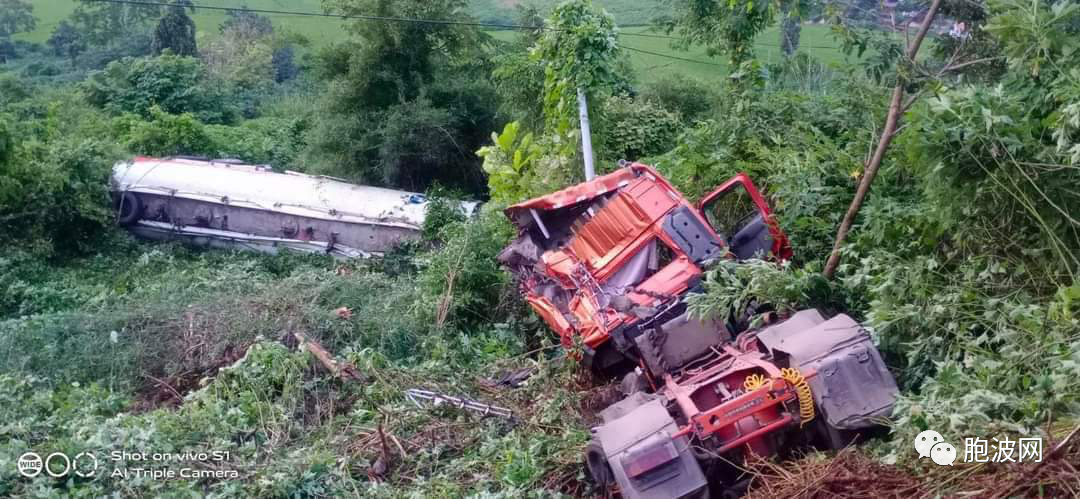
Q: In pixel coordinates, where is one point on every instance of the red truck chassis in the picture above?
(609, 262)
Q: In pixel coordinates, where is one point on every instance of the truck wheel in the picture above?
(597, 462)
(833, 438)
(606, 362)
(129, 209)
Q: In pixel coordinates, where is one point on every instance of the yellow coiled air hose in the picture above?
(802, 389)
(753, 382)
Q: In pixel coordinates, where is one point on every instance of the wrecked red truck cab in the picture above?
(609, 262)
(603, 254)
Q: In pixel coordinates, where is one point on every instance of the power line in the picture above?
(669, 56)
(801, 46)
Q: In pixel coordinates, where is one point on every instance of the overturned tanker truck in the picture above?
(608, 263)
(226, 203)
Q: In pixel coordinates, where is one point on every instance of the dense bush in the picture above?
(13, 89)
(428, 126)
(164, 134)
(759, 123)
(520, 166)
(463, 279)
(174, 83)
(266, 140)
(685, 95)
(275, 141)
(631, 129)
(54, 197)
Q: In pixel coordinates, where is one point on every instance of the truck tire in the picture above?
(833, 438)
(129, 209)
(606, 362)
(597, 463)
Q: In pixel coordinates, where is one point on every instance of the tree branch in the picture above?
(970, 63)
(896, 108)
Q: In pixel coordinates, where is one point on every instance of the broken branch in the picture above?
(343, 370)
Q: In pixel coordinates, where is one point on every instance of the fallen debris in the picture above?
(382, 464)
(849, 474)
(513, 378)
(342, 370)
(418, 396)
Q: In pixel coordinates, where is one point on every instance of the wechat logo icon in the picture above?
(943, 453)
(930, 444)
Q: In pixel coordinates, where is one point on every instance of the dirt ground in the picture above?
(851, 474)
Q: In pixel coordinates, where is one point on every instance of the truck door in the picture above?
(741, 217)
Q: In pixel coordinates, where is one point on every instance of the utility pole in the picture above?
(586, 134)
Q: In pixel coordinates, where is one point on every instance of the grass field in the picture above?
(624, 11)
(322, 30)
(643, 52)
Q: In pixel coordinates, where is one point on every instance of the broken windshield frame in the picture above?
(726, 231)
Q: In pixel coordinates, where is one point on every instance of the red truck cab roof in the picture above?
(603, 253)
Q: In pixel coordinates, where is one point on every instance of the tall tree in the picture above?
(897, 107)
(243, 54)
(66, 41)
(519, 78)
(400, 58)
(102, 23)
(406, 103)
(16, 16)
(580, 53)
(790, 29)
(175, 31)
(727, 27)
(247, 21)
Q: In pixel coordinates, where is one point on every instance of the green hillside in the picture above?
(322, 30)
(319, 30)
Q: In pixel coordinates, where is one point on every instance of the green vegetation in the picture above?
(815, 39)
(962, 262)
(624, 11)
(815, 42)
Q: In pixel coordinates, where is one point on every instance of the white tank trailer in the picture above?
(229, 204)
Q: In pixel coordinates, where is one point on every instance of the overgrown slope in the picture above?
(963, 261)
